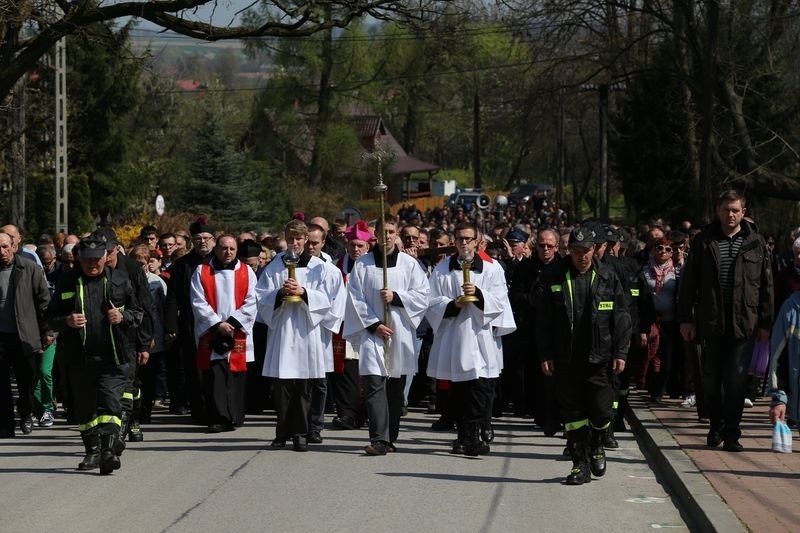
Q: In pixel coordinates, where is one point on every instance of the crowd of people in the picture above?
(473, 315)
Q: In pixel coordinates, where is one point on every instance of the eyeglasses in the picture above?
(662, 248)
(410, 238)
(546, 246)
(465, 240)
(202, 239)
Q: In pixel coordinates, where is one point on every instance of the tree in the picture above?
(29, 29)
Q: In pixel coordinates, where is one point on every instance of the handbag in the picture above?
(781, 438)
(759, 359)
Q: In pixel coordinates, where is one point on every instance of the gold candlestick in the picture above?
(290, 259)
(466, 264)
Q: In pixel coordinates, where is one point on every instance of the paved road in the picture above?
(181, 479)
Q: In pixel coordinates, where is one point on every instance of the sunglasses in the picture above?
(662, 248)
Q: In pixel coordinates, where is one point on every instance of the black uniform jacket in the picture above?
(99, 341)
(610, 321)
(700, 292)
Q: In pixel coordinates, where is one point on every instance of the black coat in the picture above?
(31, 298)
(118, 341)
(178, 315)
(700, 291)
(610, 322)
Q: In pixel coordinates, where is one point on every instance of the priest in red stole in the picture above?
(224, 304)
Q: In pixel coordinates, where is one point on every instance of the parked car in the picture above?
(523, 192)
(469, 197)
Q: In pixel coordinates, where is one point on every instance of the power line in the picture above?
(492, 30)
(278, 86)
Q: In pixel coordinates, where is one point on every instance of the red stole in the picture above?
(339, 346)
(241, 281)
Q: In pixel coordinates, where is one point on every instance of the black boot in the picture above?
(91, 443)
(459, 445)
(609, 441)
(475, 446)
(597, 460)
(487, 432)
(578, 444)
(119, 444)
(108, 459)
(619, 417)
(135, 431)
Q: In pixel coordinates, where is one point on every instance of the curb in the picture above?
(705, 509)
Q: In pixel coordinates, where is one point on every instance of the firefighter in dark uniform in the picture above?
(95, 310)
(643, 314)
(132, 394)
(582, 326)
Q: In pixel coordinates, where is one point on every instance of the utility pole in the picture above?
(62, 193)
(18, 158)
(561, 156)
(602, 177)
(476, 139)
(602, 186)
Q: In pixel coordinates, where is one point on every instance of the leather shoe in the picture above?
(278, 443)
(214, 428)
(376, 448)
(713, 439)
(343, 422)
(732, 446)
(458, 447)
(299, 444)
(26, 425)
(314, 438)
(391, 448)
(442, 424)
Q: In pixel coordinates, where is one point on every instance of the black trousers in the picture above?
(347, 391)
(151, 376)
(257, 384)
(292, 406)
(24, 366)
(516, 350)
(584, 392)
(725, 364)
(132, 394)
(97, 394)
(470, 401)
(383, 398)
(319, 393)
(224, 393)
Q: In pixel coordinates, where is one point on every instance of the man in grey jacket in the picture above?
(24, 332)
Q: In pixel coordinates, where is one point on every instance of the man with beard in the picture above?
(224, 301)
(185, 390)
